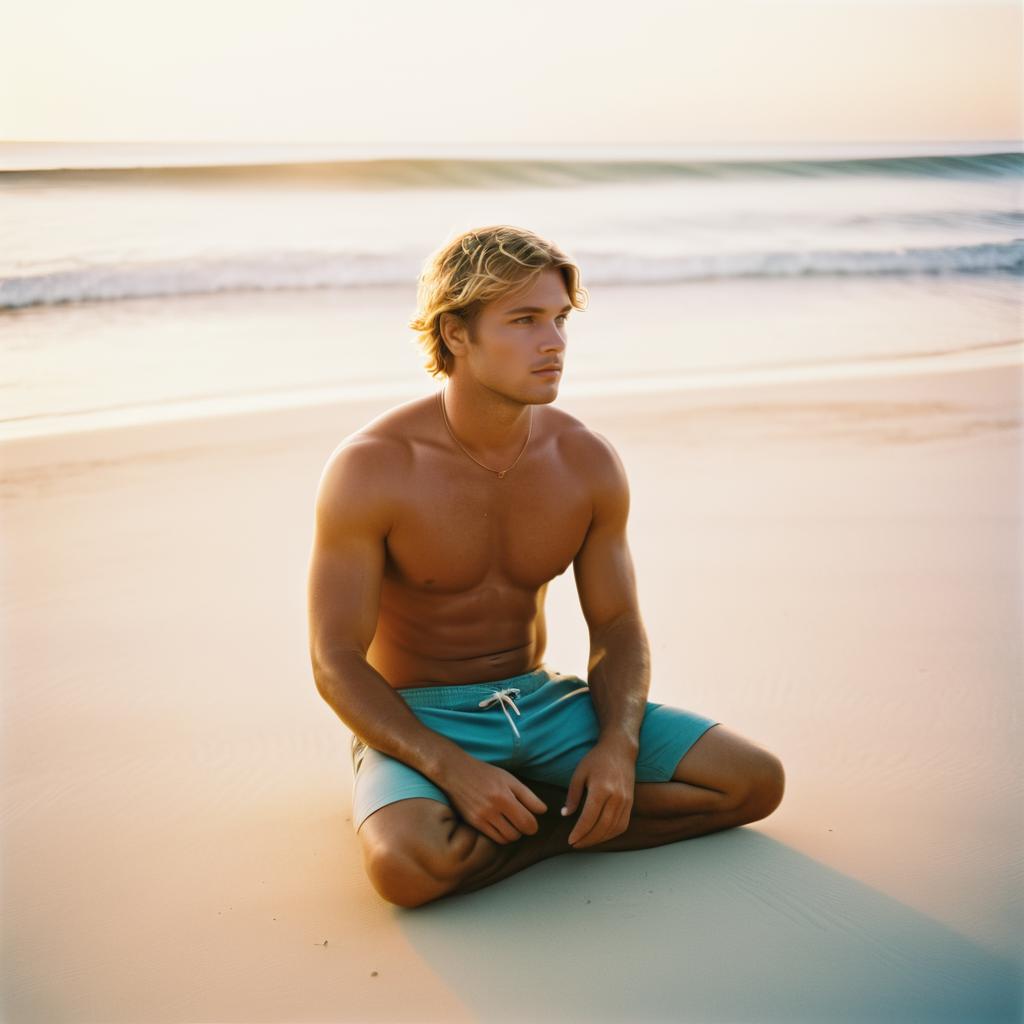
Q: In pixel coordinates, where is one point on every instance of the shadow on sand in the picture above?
(733, 926)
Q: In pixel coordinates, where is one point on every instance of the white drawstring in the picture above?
(504, 698)
(571, 693)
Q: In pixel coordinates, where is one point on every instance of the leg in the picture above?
(722, 781)
(417, 850)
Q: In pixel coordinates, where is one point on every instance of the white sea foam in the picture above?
(340, 270)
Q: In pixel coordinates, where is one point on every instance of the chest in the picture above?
(457, 528)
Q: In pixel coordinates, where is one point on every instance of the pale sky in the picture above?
(526, 71)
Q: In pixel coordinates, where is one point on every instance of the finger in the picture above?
(621, 822)
(575, 791)
(530, 799)
(606, 827)
(620, 825)
(496, 829)
(523, 820)
(507, 829)
(592, 809)
(526, 824)
(598, 834)
(487, 829)
(627, 813)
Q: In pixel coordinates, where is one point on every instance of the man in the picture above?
(439, 526)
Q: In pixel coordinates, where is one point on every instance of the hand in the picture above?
(492, 800)
(608, 771)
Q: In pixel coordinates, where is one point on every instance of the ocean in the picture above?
(146, 282)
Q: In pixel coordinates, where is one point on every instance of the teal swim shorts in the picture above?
(537, 725)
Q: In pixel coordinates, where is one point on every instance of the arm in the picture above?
(619, 663)
(619, 667)
(353, 518)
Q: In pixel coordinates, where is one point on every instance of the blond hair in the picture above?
(475, 268)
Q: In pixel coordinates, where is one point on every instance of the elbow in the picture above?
(627, 623)
(329, 667)
(625, 636)
(322, 680)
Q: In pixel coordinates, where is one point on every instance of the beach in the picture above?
(829, 567)
(809, 361)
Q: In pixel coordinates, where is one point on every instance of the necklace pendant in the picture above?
(501, 474)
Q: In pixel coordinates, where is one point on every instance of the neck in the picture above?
(487, 423)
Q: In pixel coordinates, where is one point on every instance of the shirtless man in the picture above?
(439, 526)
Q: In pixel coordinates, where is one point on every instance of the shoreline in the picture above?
(164, 426)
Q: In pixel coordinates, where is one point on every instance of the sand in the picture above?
(832, 569)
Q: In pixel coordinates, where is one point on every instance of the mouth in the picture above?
(549, 371)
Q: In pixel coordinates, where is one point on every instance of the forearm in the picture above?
(619, 674)
(364, 700)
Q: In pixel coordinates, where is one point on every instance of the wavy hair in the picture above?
(477, 267)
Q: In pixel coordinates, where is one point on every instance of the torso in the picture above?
(469, 556)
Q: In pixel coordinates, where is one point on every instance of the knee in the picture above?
(766, 785)
(412, 869)
(402, 877)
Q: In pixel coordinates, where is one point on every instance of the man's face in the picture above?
(516, 335)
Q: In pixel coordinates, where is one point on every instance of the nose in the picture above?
(553, 342)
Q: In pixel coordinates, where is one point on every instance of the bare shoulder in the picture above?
(363, 475)
(590, 453)
(382, 447)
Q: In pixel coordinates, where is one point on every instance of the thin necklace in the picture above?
(500, 472)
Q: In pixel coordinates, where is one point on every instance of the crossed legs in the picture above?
(418, 850)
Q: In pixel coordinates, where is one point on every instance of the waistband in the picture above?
(473, 693)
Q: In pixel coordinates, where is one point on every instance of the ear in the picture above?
(455, 332)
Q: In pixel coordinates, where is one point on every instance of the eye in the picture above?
(519, 319)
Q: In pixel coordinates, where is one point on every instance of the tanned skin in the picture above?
(428, 569)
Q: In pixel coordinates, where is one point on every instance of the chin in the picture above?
(547, 386)
(548, 396)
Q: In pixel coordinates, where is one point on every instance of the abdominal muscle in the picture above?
(452, 640)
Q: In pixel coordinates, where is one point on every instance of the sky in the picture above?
(526, 71)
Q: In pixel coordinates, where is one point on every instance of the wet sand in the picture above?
(842, 585)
